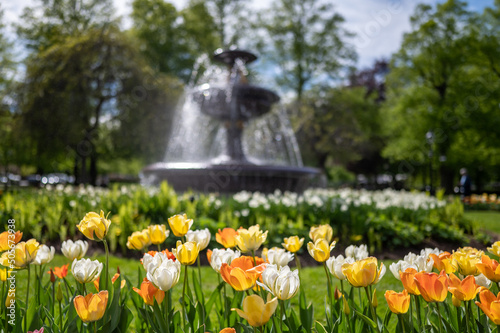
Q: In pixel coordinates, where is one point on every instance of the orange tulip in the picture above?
(226, 237)
(228, 330)
(398, 302)
(490, 304)
(443, 261)
(150, 293)
(9, 239)
(91, 307)
(464, 290)
(113, 279)
(490, 268)
(408, 279)
(62, 271)
(432, 287)
(241, 274)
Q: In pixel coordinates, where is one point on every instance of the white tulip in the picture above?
(281, 282)
(201, 237)
(279, 257)
(86, 270)
(74, 250)
(163, 272)
(335, 265)
(421, 263)
(220, 256)
(482, 281)
(357, 252)
(44, 255)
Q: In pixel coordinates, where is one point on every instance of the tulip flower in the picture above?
(278, 257)
(218, 257)
(164, 273)
(8, 239)
(157, 256)
(357, 252)
(94, 226)
(113, 279)
(443, 261)
(408, 279)
(186, 253)
(280, 281)
(482, 281)
(464, 290)
(200, 237)
(490, 304)
(363, 273)
(226, 237)
(41, 330)
(293, 244)
(432, 287)
(44, 255)
(24, 254)
(320, 249)
(180, 224)
(158, 233)
(495, 249)
(139, 240)
(228, 330)
(241, 274)
(249, 240)
(255, 311)
(3, 274)
(324, 231)
(74, 250)
(150, 293)
(465, 261)
(91, 307)
(334, 265)
(398, 302)
(61, 272)
(489, 268)
(86, 270)
(11, 297)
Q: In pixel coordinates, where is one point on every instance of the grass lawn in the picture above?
(487, 220)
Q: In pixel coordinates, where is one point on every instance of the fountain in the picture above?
(231, 136)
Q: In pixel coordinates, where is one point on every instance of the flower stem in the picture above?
(184, 298)
(159, 247)
(60, 316)
(329, 288)
(440, 318)
(27, 299)
(107, 262)
(419, 318)
(467, 319)
(401, 321)
(166, 306)
(95, 326)
(253, 256)
(372, 309)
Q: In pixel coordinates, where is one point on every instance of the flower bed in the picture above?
(439, 291)
(382, 219)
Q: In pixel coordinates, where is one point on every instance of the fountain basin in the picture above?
(229, 178)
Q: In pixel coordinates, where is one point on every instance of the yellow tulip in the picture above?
(293, 244)
(11, 297)
(186, 253)
(9, 239)
(3, 274)
(250, 239)
(24, 254)
(324, 231)
(139, 240)
(158, 233)
(398, 302)
(363, 273)
(495, 249)
(466, 259)
(180, 224)
(255, 311)
(320, 249)
(94, 226)
(91, 307)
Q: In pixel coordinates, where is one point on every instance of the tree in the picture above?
(230, 17)
(306, 38)
(426, 74)
(172, 40)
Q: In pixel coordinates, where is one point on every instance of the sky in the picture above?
(379, 25)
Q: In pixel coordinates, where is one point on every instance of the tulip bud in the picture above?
(346, 308)
(118, 270)
(59, 294)
(52, 276)
(338, 294)
(456, 302)
(374, 298)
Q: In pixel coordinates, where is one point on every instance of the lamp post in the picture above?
(429, 137)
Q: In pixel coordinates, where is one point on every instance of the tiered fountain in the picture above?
(231, 137)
